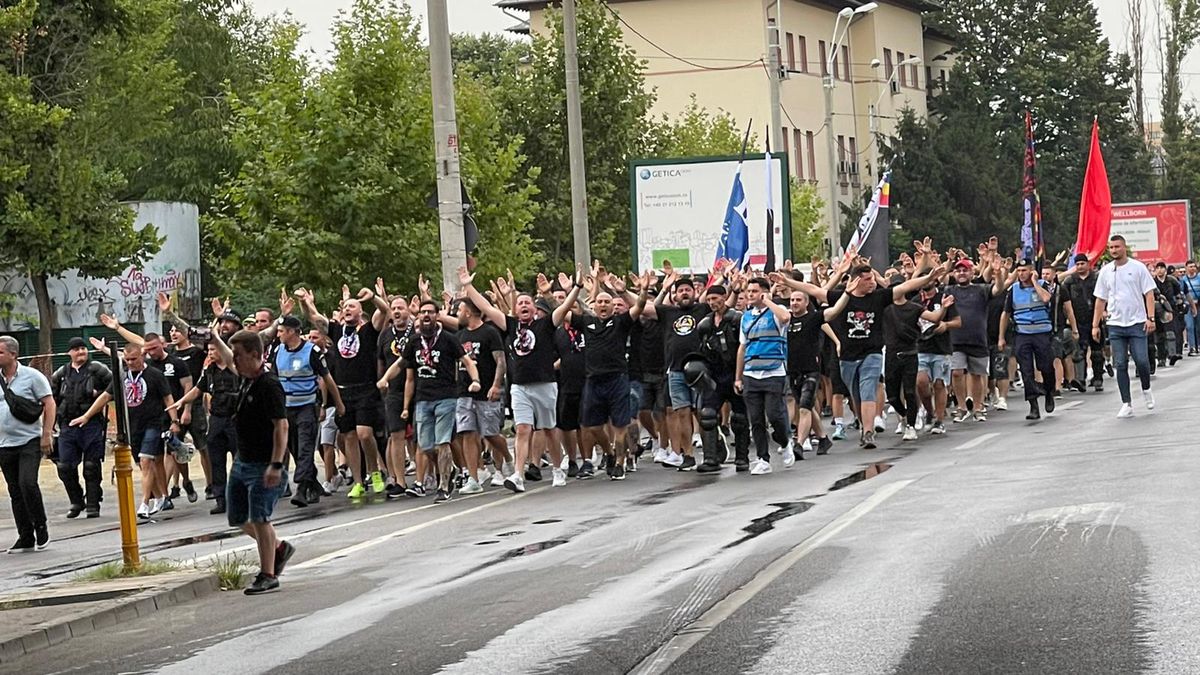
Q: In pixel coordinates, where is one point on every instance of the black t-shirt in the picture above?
(259, 403)
(391, 346)
(479, 344)
(651, 347)
(936, 343)
(193, 357)
(901, 328)
(633, 350)
(994, 310)
(972, 303)
(1080, 292)
(680, 336)
(174, 370)
(145, 396)
(805, 341)
(436, 365)
(530, 350)
(221, 385)
(569, 344)
(860, 324)
(604, 341)
(354, 353)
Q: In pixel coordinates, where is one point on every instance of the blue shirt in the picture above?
(33, 385)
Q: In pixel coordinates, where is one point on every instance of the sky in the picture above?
(480, 16)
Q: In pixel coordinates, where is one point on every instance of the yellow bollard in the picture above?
(123, 457)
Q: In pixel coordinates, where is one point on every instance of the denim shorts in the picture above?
(862, 377)
(937, 366)
(482, 417)
(606, 399)
(435, 422)
(680, 393)
(148, 444)
(247, 498)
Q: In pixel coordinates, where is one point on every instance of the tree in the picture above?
(616, 107)
(83, 85)
(339, 165)
(697, 132)
(491, 59)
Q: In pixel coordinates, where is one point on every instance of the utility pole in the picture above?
(445, 140)
(774, 73)
(579, 209)
(834, 234)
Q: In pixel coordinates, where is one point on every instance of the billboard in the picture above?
(1155, 230)
(678, 209)
(130, 296)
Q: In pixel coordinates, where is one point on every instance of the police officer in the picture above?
(76, 387)
(718, 348)
(1028, 306)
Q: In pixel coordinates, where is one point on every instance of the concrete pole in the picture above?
(445, 140)
(834, 233)
(579, 208)
(774, 75)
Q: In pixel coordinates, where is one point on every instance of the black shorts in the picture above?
(198, 427)
(567, 415)
(362, 408)
(804, 389)
(393, 405)
(654, 392)
(607, 400)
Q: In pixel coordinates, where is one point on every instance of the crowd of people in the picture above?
(412, 397)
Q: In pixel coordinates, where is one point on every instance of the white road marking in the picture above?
(978, 441)
(690, 635)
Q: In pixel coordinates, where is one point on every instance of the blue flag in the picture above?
(735, 235)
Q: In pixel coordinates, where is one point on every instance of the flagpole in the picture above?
(746, 140)
(769, 264)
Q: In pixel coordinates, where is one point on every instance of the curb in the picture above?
(136, 605)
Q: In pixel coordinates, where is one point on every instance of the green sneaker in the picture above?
(357, 492)
(377, 483)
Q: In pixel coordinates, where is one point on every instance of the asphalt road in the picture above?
(1003, 546)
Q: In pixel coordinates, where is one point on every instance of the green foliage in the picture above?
(696, 132)
(339, 165)
(117, 570)
(808, 233)
(491, 59)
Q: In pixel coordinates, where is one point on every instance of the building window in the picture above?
(942, 77)
(841, 148)
(853, 160)
(916, 79)
(791, 53)
(802, 47)
(785, 141)
(846, 63)
(929, 78)
(903, 72)
(887, 63)
(812, 154)
(797, 139)
(824, 58)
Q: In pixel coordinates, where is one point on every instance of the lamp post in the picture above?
(847, 13)
(873, 110)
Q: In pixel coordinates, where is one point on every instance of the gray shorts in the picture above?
(484, 417)
(974, 365)
(535, 404)
(329, 427)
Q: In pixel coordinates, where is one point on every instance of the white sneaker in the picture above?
(472, 487)
(759, 467)
(910, 433)
(920, 419)
(143, 510)
(1126, 411)
(336, 484)
(789, 454)
(1149, 399)
(497, 479)
(660, 455)
(696, 442)
(900, 428)
(560, 478)
(806, 446)
(566, 462)
(156, 505)
(673, 459)
(880, 425)
(1001, 403)
(515, 482)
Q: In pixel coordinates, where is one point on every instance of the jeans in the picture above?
(1193, 328)
(1126, 340)
(1034, 354)
(222, 444)
(249, 497)
(900, 383)
(20, 466)
(82, 444)
(764, 403)
(302, 442)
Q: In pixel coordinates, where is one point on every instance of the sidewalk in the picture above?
(39, 619)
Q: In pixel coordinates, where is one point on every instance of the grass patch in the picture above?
(231, 570)
(117, 570)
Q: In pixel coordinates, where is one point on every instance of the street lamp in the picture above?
(873, 110)
(827, 80)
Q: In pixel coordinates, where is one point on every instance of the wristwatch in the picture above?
(277, 465)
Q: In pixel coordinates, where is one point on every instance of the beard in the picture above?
(428, 328)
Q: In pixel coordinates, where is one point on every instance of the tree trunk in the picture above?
(45, 323)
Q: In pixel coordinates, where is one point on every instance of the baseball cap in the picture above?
(76, 343)
(1081, 257)
(1024, 262)
(964, 263)
(716, 289)
(230, 316)
(290, 321)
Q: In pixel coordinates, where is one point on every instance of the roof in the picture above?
(935, 33)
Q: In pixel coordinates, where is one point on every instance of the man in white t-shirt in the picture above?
(1125, 299)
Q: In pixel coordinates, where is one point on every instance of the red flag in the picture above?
(1095, 207)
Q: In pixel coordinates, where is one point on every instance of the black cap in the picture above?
(230, 316)
(682, 281)
(716, 289)
(541, 304)
(1081, 257)
(76, 343)
(1024, 262)
(290, 321)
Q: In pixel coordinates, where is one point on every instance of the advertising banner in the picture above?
(1155, 230)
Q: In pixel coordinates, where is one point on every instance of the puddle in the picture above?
(766, 523)
(510, 534)
(871, 471)
(486, 543)
(662, 496)
(546, 521)
(523, 551)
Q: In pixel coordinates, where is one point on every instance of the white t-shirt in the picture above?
(1124, 288)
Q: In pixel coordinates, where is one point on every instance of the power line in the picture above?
(674, 56)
